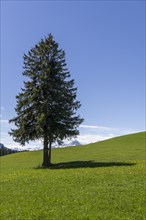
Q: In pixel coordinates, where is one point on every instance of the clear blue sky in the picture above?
(105, 53)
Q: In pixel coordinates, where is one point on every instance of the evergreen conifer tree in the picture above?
(46, 106)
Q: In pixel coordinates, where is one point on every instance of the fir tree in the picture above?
(46, 106)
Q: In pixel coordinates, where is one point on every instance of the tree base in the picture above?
(46, 165)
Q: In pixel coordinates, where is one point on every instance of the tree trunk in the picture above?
(45, 152)
(50, 144)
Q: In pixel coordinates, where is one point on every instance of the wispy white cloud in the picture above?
(86, 139)
(95, 133)
(94, 127)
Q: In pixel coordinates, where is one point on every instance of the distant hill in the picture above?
(4, 150)
(66, 143)
(71, 143)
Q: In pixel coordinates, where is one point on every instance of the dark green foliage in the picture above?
(46, 107)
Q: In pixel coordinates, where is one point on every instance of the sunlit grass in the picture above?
(101, 181)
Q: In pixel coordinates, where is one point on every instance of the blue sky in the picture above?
(104, 43)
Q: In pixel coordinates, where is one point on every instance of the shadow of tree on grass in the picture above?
(86, 164)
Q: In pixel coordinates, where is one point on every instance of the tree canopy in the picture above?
(46, 106)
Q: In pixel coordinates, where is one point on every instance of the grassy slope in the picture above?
(101, 181)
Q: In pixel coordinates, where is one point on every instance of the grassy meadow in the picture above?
(100, 181)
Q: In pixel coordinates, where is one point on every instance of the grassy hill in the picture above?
(104, 180)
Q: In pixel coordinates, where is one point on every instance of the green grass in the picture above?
(99, 181)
